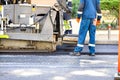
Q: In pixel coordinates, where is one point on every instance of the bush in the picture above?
(104, 26)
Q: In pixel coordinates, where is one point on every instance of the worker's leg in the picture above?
(92, 31)
(70, 31)
(82, 34)
(66, 32)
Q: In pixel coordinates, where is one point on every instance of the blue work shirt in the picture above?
(89, 8)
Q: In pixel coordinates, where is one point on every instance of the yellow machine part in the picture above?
(4, 36)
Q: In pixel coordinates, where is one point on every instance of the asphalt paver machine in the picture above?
(31, 25)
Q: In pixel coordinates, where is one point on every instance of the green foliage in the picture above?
(75, 4)
(111, 5)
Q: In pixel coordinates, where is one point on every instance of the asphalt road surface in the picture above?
(57, 67)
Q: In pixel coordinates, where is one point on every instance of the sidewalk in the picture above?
(103, 36)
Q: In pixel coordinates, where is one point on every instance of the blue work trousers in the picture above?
(86, 25)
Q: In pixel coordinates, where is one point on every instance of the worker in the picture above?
(91, 15)
(67, 24)
(67, 17)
